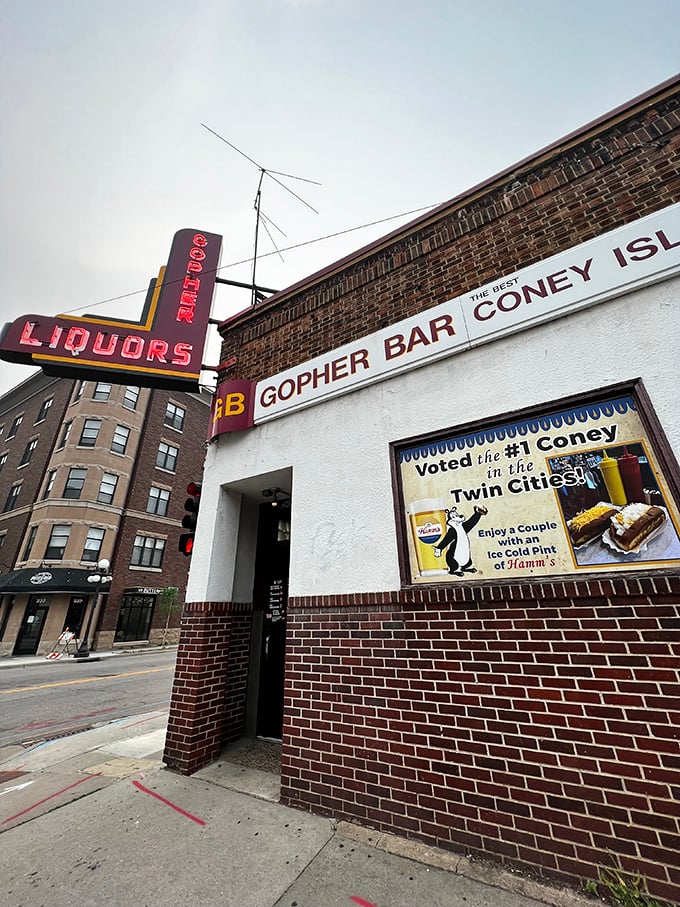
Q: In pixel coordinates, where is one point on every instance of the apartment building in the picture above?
(92, 470)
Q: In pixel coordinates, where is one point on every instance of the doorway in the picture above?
(270, 599)
(28, 638)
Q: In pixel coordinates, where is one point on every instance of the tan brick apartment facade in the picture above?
(92, 470)
(534, 719)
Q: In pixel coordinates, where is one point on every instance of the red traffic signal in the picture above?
(186, 543)
(186, 539)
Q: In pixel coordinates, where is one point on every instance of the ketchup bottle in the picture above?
(631, 476)
(609, 468)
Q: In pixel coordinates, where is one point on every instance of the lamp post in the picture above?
(100, 579)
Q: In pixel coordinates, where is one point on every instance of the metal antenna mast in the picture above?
(259, 214)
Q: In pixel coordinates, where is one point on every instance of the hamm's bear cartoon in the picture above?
(458, 556)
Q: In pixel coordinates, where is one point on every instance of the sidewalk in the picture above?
(96, 819)
(27, 661)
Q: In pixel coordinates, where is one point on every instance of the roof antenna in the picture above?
(260, 216)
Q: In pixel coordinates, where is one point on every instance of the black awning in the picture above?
(48, 579)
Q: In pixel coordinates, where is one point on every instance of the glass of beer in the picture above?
(428, 526)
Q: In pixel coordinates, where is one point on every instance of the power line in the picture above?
(243, 261)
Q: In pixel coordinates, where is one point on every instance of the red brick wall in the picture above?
(206, 666)
(538, 724)
(237, 676)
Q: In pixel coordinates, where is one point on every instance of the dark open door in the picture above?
(32, 625)
(271, 597)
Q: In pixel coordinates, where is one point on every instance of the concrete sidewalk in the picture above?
(94, 818)
(28, 661)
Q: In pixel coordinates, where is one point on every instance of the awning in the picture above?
(50, 580)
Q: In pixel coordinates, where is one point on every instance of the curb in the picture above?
(486, 873)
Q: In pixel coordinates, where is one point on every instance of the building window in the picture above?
(65, 432)
(12, 498)
(147, 551)
(166, 457)
(174, 416)
(90, 433)
(131, 397)
(3, 460)
(107, 489)
(74, 483)
(28, 452)
(29, 543)
(134, 620)
(93, 544)
(44, 409)
(57, 543)
(102, 391)
(49, 485)
(14, 427)
(120, 439)
(78, 392)
(158, 501)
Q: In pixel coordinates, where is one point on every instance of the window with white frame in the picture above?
(49, 484)
(56, 545)
(174, 416)
(147, 551)
(93, 544)
(30, 541)
(14, 427)
(131, 397)
(3, 460)
(166, 458)
(65, 433)
(158, 501)
(28, 452)
(90, 433)
(102, 391)
(120, 439)
(107, 489)
(78, 392)
(74, 483)
(44, 409)
(11, 501)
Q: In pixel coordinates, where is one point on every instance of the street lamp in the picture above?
(100, 579)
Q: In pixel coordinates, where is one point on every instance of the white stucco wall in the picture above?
(343, 518)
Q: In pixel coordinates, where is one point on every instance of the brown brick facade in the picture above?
(534, 723)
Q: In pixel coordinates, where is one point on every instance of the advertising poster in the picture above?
(575, 490)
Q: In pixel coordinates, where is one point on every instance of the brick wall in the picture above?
(533, 723)
(623, 170)
(206, 666)
(538, 724)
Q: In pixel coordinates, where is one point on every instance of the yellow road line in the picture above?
(66, 683)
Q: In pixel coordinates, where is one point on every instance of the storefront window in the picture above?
(135, 616)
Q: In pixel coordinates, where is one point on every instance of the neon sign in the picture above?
(163, 350)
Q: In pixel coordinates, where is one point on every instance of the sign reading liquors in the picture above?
(164, 349)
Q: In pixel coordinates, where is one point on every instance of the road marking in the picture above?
(8, 790)
(67, 683)
(179, 809)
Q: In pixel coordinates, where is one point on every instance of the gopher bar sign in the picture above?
(162, 350)
(572, 490)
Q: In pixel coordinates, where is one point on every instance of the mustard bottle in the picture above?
(612, 479)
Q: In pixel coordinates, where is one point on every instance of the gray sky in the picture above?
(391, 105)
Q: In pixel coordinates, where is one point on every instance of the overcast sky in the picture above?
(391, 105)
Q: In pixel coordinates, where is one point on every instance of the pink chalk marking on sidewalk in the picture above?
(51, 797)
(142, 720)
(179, 809)
(361, 902)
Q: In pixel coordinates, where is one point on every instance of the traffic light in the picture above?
(186, 539)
